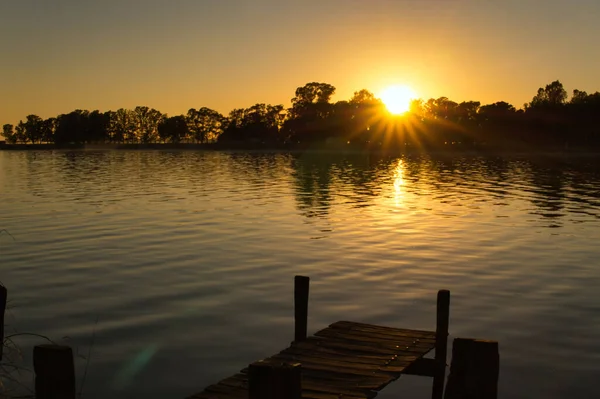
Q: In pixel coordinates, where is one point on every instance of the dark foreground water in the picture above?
(178, 266)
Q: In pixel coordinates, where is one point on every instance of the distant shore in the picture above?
(556, 153)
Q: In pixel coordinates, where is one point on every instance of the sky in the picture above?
(61, 55)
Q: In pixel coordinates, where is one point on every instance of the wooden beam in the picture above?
(301, 284)
(441, 342)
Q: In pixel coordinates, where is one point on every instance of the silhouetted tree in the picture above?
(121, 126)
(204, 124)
(579, 97)
(97, 127)
(258, 124)
(363, 97)
(34, 128)
(146, 122)
(72, 127)
(20, 133)
(547, 117)
(584, 117)
(48, 128)
(311, 94)
(173, 129)
(359, 117)
(310, 107)
(498, 124)
(552, 95)
(8, 132)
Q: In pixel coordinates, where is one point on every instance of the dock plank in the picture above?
(398, 366)
(371, 339)
(384, 333)
(346, 359)
(358, 347)
(391, 330)
(339, 355)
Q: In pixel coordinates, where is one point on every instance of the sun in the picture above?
(397, 98)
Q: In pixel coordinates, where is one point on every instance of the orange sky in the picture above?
(233, 53)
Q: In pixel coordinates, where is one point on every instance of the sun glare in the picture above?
(397, 98)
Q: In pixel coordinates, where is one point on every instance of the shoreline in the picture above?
(314, 148)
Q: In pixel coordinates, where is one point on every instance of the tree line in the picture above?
(550, 119)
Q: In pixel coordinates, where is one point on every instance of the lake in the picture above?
(176, 267)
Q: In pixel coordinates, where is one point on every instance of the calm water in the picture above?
(178, 266)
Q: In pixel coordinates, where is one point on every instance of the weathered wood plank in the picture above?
(365, 339)
(401, 360)
(365, 357)
(339, 355)
(430, 340)
(343, 366)
(360, 347)
(382, 333)
(382, 329)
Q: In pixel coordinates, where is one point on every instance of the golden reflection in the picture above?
(399, 183)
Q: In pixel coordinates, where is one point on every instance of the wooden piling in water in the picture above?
(301, 285)
(54, 372)
(474, 370)
(274, 381)
(3, 296)
(441, 342)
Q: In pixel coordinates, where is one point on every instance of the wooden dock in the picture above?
(345, 360)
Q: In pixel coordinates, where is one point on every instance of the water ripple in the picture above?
(185, 259)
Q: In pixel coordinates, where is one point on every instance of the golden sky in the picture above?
(174, 55)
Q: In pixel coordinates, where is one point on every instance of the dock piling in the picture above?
(474, 370)
(54, 372)
(301, 284)
(441, 342)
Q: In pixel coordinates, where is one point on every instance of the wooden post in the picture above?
(474, 370)
(441, 342)
(301, 284)
(54, 372)
(3, 296)
(274, 381)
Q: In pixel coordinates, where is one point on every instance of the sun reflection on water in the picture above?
(399, 184)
